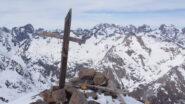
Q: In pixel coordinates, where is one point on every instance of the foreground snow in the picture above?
(102, 99)
(26, 99)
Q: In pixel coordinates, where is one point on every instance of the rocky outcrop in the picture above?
(71, 94)
(169, 89)
(63, 96)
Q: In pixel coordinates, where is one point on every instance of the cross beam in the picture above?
(55, 35)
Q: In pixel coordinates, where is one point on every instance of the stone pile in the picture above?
(74, 91)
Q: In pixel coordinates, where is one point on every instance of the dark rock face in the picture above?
(144, 29)
(5, 30)
(22, 37)
(49, 69)
(162, 28)
(28, 28)
(169, 91)
(85, 34)
(130, 29)
(169, 32)
(3, 99)
(183, 30)
(20, 34)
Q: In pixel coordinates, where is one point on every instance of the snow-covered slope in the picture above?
(102, 99)
(136, 57)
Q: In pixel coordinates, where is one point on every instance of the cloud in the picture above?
(50, 14)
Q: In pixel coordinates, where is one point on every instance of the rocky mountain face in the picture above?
(149, 63)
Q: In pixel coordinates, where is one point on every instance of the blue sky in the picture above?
(50, 14)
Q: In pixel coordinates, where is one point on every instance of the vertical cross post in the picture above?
(65, 48)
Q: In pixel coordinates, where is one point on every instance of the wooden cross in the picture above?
(66, 39)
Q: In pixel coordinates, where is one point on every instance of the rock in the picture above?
(110, 84)
(86, 74)
(47, 96)
(70, 89)
(183, 30)
(92, 102)
(110, 94)
(78, 98)
(106, 75)
(146, 101)
(59, 96)
(100, 79)
(39, 102)
(91, 94)
(54, 88)
(29, 28)
(114, 96)
(76, 81)
(3, 99)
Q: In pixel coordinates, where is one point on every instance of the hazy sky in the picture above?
(50, 14)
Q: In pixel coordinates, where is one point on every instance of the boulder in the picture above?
(86, 74)
(54, 88)
(91, 94)
(78, 98)
(100, 79)
(59, 96)
(70, 89)
(47, 96)
(146, 101)
(76, 81)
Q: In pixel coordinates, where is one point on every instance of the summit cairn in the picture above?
(80, 89)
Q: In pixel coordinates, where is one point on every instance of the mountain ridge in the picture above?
(133, 56)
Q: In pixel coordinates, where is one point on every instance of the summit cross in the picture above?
(66, 38)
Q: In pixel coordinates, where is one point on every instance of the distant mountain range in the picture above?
(149, 63)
